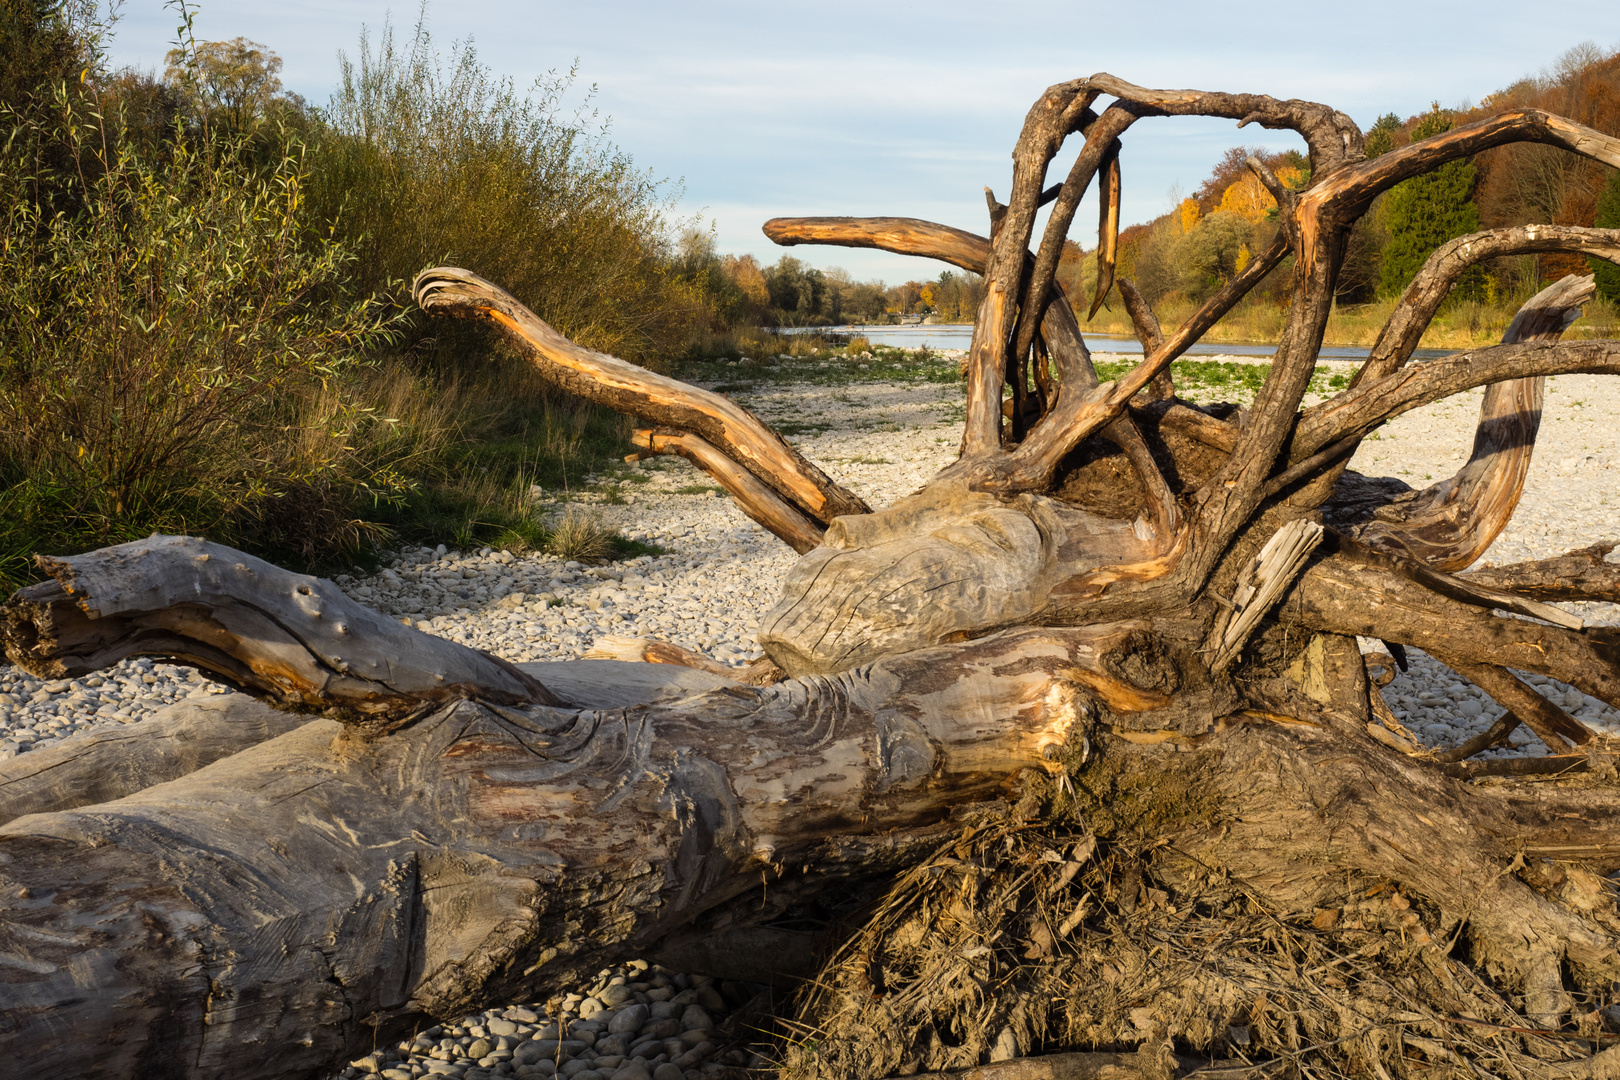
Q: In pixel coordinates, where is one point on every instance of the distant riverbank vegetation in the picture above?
(205, 324)
(1181, 257)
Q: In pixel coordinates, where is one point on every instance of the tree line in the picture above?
(1205, 238)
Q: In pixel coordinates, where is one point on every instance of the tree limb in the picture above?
(612, 382)
(753, 498)
(1432, 284)
(292, 639)
(1450, 524)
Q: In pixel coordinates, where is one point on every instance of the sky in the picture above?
(758, 110)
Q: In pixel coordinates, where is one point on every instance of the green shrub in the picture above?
(155, 347)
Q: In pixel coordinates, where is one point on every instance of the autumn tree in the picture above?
(235, 82)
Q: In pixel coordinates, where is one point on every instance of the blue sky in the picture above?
(836, 107)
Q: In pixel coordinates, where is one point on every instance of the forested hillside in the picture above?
(1191, 250)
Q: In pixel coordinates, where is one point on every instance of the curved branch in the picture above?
(1331, 135)
(753, 498)
(1450, 524)
(1101, 151)
(1061, 109)
(903, 236)
(1359, 184)
(294, 639)
(1360, 410)
(1429, 289)
(609, 381)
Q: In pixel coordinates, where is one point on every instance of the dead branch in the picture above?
(607, 380)
(289, 638)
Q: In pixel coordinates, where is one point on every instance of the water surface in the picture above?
(959, 336)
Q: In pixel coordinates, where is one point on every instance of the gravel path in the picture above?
(721, 573)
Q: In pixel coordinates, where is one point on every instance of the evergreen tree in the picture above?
(1608, 217)
(1424, 212)
(1381, 136)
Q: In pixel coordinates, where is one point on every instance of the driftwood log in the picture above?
(1111, 590)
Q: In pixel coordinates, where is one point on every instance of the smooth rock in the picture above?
(628, 1019)
(500, 1026)
(661, 1029)
(696, 1018)
(614, 996)
(668, 1071)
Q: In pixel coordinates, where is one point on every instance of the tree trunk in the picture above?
(1086, 717)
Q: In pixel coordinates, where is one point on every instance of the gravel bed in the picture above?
(635, 1022)
(720, 572)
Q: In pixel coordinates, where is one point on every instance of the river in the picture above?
(958, 336)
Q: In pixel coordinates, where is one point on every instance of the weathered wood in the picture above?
(754, 498)
(1432, 284)
(1450, 524)
(610, 381)
(1552, 725)
(110, 762)
(1584, 574)
(355, 884)
(1132, 625)
(293, 639)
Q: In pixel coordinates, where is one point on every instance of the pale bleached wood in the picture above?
(114, 760)
(307, 898)
(607, 380)
(290, 638)
(754, 498)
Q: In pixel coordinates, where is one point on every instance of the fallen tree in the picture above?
(1090, 707)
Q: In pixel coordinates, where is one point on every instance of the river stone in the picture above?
(668, 1071)
(632, 1072)
(661, 1029)
(661, 1010)
(696, 1018)
(628, 1019)
(613, 1045)
(498, 1026)
(479, 1048)
(709, 998)
(521, 1015)
(695, 1055)
(616, 995)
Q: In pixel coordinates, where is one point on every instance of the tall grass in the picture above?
(432, 159)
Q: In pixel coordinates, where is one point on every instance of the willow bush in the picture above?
(157, 345)
(430, 160)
